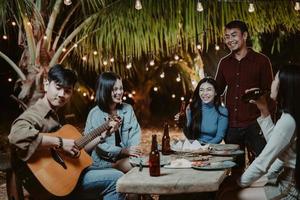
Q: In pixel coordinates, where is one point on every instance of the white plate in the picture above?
(135, 161)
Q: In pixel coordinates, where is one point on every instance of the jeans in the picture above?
(250, 137)
(97, 182)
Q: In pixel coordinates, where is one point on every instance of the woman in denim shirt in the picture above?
(116, 149)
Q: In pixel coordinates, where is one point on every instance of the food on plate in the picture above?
(200, 163)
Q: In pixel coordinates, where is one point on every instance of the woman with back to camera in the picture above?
(282, 143)
(116, 149)
(206, 118)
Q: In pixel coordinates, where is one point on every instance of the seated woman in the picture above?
(282, 144)
(206, 119)
(116, 149)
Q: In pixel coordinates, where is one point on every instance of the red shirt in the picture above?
(252, 71)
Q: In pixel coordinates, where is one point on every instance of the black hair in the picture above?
(288, 99)
(193, 131)
(62, 76)
(237, 24)
(104, 87)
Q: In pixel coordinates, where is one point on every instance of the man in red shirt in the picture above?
(243, 69)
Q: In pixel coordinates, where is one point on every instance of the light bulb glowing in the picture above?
(138, 5)
(129, 65)
(9, 79)
(67, 2)
(173, 96)
(105, 62)
(176, 57)
(45, 37)
(217, 47)
(152, 63)
(178, 79)
(13, 23)
(112, 59)
(130, 95)
(251, 8)
(75, 45)
(28, 23)
(155, 89)
(4, 37)
(297, 6)
(198, 46)
(64, 49)
(84, 94)
(162, 75)
(133, 92)
(124, 98)
(199, 7)
(95, 52)
(92, 97)
(182, 98)
(84, 58)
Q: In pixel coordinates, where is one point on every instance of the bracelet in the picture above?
(60, 145)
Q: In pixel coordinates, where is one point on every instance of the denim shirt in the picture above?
(130, 133)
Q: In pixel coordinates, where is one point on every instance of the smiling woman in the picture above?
(206, 119)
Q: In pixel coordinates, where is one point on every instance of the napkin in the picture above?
(179, 163)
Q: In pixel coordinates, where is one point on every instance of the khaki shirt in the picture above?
(24, 134)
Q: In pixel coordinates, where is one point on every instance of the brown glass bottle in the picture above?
(154, 158)
(165, 146)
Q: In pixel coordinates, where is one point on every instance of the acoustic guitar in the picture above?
(57, 172)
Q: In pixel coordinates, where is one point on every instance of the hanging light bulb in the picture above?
(138, 5)
(155, 89)
(176, 57)
(182, 98)
(162, 75)
(217, 47)
(199, 7)
(4, 37)
(95, 53)
(105, 62)
(13, 23)
(112, 59)
(67, 2)
(178, 79)
(198, 46)
(64, 49)
(129, 65)
(297, 6)
(173, 96)
(152, 63)
(251, 8)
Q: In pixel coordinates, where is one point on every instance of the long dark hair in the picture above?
(288, 100)
(104, 87)
(193, 131)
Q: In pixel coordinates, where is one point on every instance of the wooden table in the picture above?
(171, 181)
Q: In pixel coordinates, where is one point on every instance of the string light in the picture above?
(13, 23)
(95, 53)
(251, 8)
(198, 46)
(133, 92)
(152, 63)
(178, 79)
(105, 62)
(45, 37)
(138, 5)
(162, 75)
(75, 45)
(155, 89)
(84, 58)
(9, 79)
(129, 65)
(176, 57)
(199, 6)
(297, 6)
(124, 98)
(4, 37)
(92, 97)
(28, 23)
(112, 59)
(84, 94)
(130, 95)
(64, 49)
(173, 96)
(67, 2)
(182, 98)
(217, 47)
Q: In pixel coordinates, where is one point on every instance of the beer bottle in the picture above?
(154, 158)
(166, 149)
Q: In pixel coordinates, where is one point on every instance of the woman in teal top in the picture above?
(206, 119)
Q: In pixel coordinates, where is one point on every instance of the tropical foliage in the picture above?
(96, 35)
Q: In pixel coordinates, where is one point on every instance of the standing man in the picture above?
(29, 137)
(243, 69)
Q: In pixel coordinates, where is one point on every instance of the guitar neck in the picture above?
(81, 142)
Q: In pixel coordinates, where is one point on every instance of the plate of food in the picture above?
(226, 152)
(205, 165)
(144, 160)
(221, 147)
